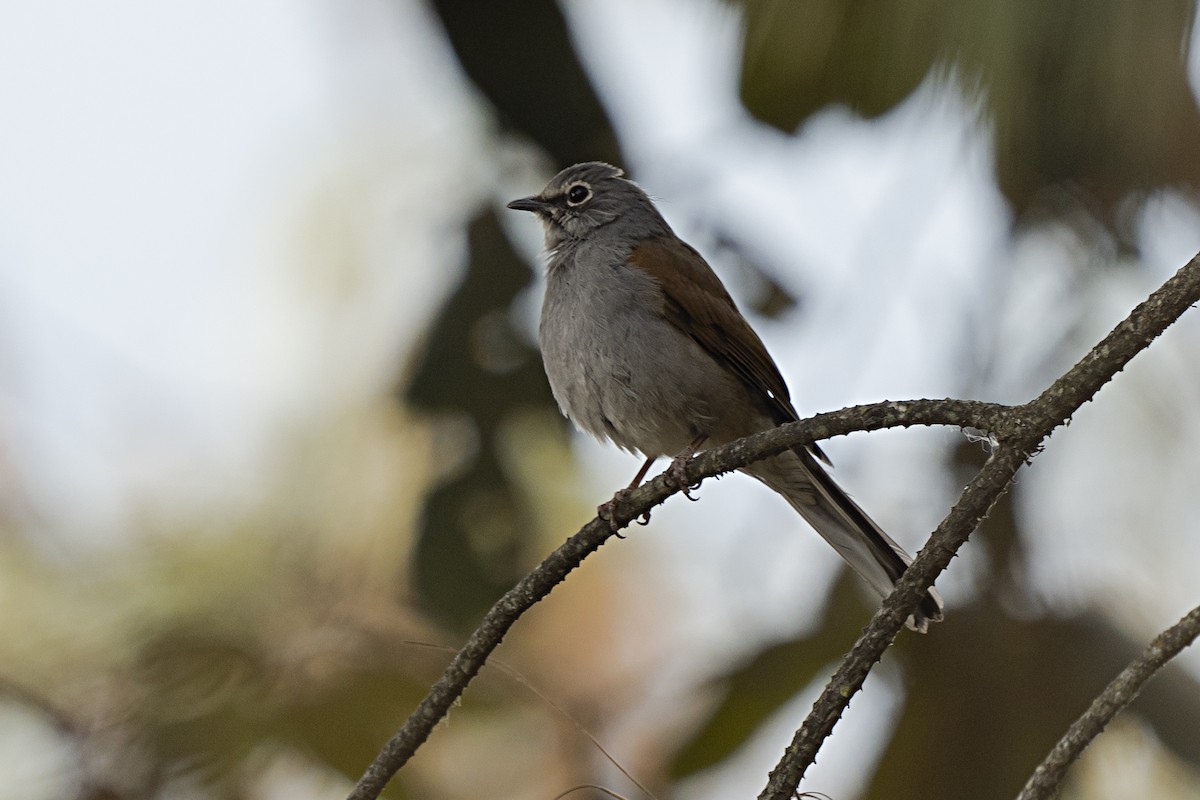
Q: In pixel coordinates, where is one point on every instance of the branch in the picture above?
(555, 568)
(1043, 784)
(1020, 434)
(1020, 431)
(977, 499)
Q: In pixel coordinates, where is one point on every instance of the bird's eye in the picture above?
(577, 194)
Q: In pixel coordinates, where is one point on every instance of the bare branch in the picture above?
(1021, 434)
(1044, 783)
(555, 568)
(962, 520)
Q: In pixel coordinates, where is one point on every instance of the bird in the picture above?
(643, 347)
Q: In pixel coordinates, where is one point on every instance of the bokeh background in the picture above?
(274, 432)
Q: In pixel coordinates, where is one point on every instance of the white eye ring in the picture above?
(578, 194)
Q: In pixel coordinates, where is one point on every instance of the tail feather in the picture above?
(844, 525)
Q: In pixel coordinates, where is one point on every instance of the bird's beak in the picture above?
(534, 204)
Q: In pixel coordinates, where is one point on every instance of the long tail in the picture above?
(863, 544)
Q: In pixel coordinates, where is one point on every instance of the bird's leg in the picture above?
(608, 510)
(637, 479)
(676, 472)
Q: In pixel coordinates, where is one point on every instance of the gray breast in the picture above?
(616, 367)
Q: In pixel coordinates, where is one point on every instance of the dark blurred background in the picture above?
(274, 432)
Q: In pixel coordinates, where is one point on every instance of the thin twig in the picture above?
(1044, 783)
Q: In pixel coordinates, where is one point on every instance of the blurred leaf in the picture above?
(756, 689)
(800, 57)
(345, 724)
(475, 527)
(208, 702)
(199, 694)
(459, 370)
(1086, 93)
(521, 57)
(471, 540)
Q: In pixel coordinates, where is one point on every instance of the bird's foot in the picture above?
(677, 472)
(608, 511)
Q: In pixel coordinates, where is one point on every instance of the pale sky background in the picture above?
(175, 180)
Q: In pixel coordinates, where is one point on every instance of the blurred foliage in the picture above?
(209, 703)
(1090, 94)
(291, 636)
(521, 57)
(986, 702)
(754, 690)
(987, 694)
(1088, 100)
(204, 661)
(477, 368)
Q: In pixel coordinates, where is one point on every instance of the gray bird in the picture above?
(644, 347)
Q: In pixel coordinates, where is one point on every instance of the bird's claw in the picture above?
(677, 474)
(608, 511)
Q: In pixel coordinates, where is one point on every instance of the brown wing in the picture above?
(696, 302)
